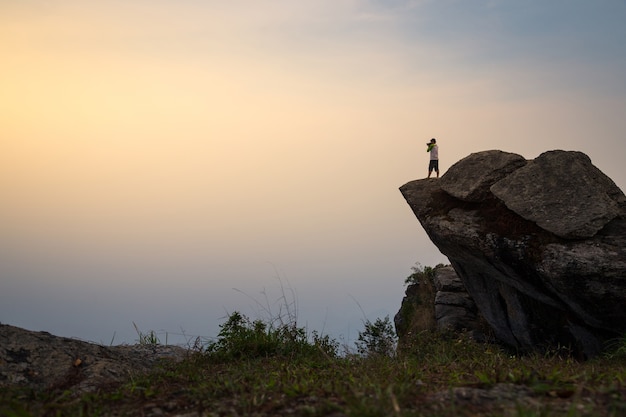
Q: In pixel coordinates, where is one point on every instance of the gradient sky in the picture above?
(166, 162)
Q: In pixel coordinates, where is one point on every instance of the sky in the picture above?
(166, 163)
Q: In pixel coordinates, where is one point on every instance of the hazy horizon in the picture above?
(165, 163)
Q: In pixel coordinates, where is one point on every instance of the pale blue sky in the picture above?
(154, 155)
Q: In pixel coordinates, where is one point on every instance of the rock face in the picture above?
(43, 361)
(441, 304)
(576, 208)
(539, 245)
(454, 308)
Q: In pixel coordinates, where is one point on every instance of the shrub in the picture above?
(616, 349)
(421, 273)
(239, 337)
(378, 338)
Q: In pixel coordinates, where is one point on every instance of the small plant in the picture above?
(329, 347)
(149, 339)
(378, 338)
(616, 349)
(421, 273)
(240, 337)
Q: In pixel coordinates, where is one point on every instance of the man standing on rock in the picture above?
(434, 157)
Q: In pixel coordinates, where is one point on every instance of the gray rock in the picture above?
(44, 361)
(576, 198)
(443, 305)
(455, 310)
(457, 299)
(447, 280)
(500, 399)
(540, 275)
(471, 177)
(452, 318)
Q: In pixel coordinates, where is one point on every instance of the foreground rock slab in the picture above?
(539, 245)
(43, 361)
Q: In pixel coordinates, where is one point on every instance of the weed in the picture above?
(241, 338)
(616, 349)
(149, 339)
(378, 338)
(421, 274)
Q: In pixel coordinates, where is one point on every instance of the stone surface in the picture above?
(443, 305)
(417, 311)
(543, 255)
(471, 177)
(44, 361)
(577, 199)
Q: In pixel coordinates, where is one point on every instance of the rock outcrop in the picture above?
(439, 303)
(539, 245)
(40, 360)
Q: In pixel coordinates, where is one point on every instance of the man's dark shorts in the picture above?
(434, 165)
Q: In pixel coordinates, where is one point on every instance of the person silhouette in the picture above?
(433, 165)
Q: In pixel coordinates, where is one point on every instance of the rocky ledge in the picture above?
(539, 245)
(41, 360)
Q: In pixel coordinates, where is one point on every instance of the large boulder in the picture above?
(576, 208)
(539, 245)
(470, 178)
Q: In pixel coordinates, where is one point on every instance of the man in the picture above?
(434, 157)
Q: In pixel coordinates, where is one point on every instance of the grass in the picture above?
(256, 369)
(148, 339)
(272, 367)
